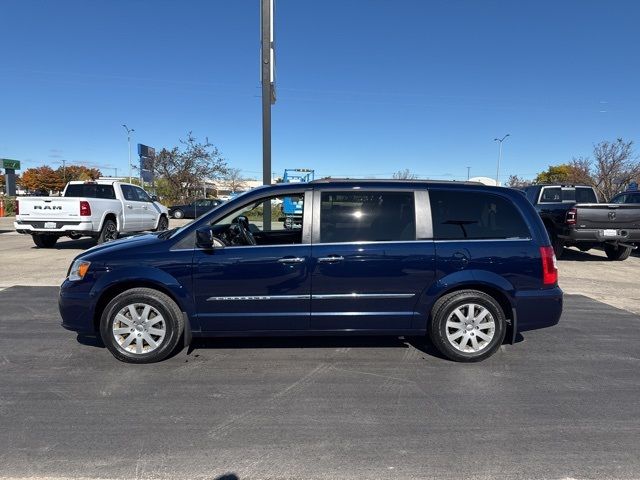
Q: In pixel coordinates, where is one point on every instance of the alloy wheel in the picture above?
(139, 328)
(470, 328)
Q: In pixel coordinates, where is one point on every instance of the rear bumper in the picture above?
(62, 227)
(538, 308)
(597, 235)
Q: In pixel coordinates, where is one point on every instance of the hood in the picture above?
(110, 248)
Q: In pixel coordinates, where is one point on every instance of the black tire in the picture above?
(617, 252)
(44, 241)
(556, 243)
(178, 214)
(445, 307)
(109, 232)
(163, 224)
(163, 304)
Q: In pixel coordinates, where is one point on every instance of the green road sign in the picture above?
(8, 163)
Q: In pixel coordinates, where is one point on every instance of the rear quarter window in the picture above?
(459, 215)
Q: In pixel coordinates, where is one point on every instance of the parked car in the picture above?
(462, 263)
(194, 209)
(101, 209)
(632, 196)
(573, 217)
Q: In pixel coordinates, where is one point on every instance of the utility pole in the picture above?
(64, 171)
(268, 98)
(468, 173)
(500, 140)
(129, 132)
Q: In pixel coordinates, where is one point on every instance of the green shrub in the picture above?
(9, 206)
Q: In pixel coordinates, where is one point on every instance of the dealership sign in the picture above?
(11, 164)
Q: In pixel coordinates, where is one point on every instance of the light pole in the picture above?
(129, 132)
(468, 173)
(500, 140)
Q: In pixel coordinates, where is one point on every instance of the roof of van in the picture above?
(393, 181)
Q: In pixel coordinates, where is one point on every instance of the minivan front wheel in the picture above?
(141, 325)
(467, 326)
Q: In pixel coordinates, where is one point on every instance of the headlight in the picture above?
(78, 270)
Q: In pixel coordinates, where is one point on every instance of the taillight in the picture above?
(549, 266)
(85, 208)
(17, 207)
(572, 216)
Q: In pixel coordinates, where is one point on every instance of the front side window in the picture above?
(142, 195)
(251, 217)
(363, 216)
(459, 215)
(129, 193)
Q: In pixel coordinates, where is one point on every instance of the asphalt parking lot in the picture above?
(560, 403)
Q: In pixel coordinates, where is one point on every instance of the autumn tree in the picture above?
(186, 166)
(78, 172)
(41, 178)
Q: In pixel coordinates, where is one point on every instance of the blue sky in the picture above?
(365, 87)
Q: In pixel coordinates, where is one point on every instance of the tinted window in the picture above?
(129, 193)
(90, 190)
(142, 195)
(626, 198)
(551, 195)
(586, 195)
(356, 216)
(461, 215)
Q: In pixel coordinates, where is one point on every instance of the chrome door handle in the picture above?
(129, 206)
(291, 260)
(145, 207)
(331, 259)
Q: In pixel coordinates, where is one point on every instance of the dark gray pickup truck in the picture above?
(574, 217)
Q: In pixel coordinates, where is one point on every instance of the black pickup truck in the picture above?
(574, 217)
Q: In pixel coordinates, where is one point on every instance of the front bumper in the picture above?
(593, 235)
(76, 307)
(538, 308)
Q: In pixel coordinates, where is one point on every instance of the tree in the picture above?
(41, 178)
(554, 174)
(78, 172)
(515, 181)
(404, 175)
(580, 171)
(615, 166)
(186, 166)
(234, 179)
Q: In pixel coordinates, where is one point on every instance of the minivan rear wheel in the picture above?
(467, 326)
(141, 325)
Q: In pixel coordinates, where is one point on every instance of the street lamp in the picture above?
(129, 132)
(500, 140)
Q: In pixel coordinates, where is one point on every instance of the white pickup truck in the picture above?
(102, 209)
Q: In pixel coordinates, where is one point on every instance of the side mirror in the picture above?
(207, 240)
(154, 198)
(204, 238)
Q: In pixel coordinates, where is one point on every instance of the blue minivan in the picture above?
(465, 264)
